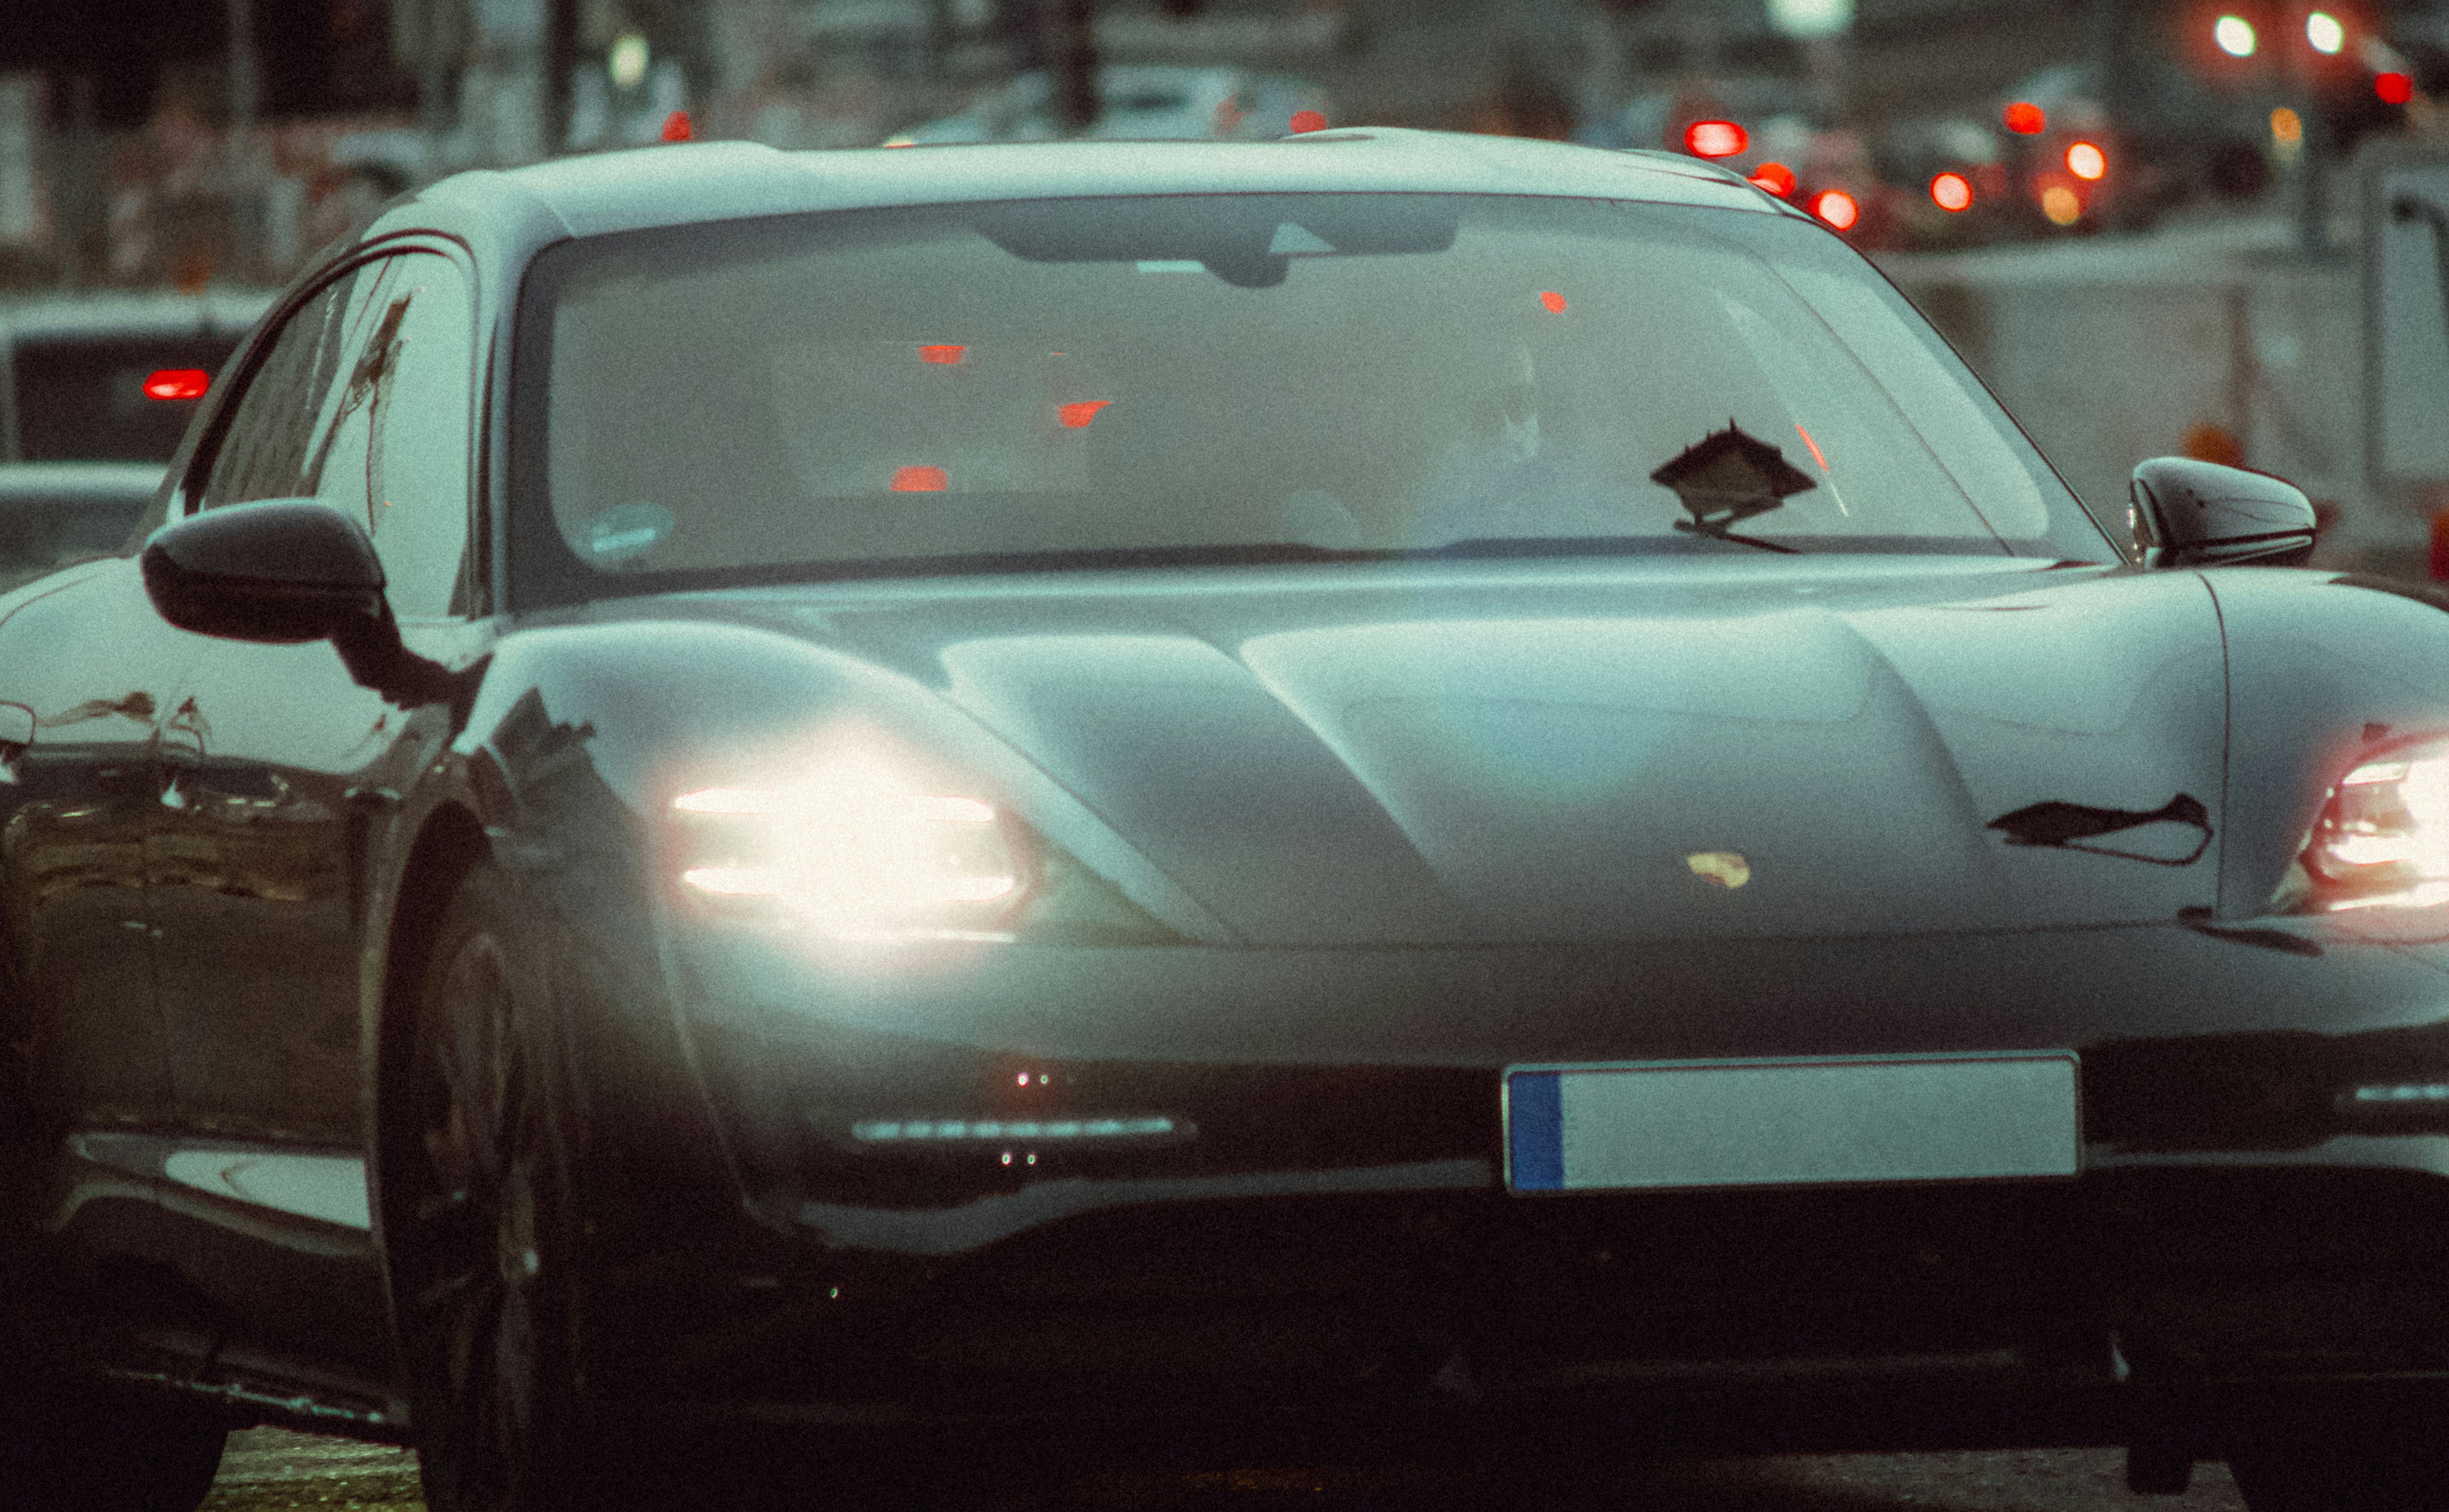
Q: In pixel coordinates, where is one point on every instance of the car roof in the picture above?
(671, 186)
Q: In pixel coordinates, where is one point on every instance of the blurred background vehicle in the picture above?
(1946, 178)
(95, 392)
(112, 377)
(1135, 103)
(2157, 139)
(1779, 116)
(53, 513)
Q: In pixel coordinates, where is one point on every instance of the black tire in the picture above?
(88, 1450)
(2391, 1460)
(480, 1231)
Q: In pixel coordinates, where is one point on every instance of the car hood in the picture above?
(1516, 752)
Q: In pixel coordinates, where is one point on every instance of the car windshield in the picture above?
(1233, 378)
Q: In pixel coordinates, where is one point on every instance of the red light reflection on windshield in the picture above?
(1814, 445)
(919, 479)
(1077, 417)
(943, 355)
(1554, 301)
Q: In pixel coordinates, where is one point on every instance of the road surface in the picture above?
(270, 1471)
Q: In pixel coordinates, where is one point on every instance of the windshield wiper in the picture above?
(1720, 532)
(1726, 478)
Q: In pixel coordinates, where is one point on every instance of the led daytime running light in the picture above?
(957, 1129)
(2435, 1093)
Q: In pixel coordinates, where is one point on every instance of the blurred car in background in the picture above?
(1780, 132)
(111, 377)
(53, 515)
(1779, 116)
(1139, 103)
(1946, 178)
(2083, 156)
(95, 391)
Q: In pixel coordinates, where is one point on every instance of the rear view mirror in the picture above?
(282, 571)
(2191, 513)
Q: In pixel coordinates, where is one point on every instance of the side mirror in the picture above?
(2190, 514)
(282, 571)
(287, 571)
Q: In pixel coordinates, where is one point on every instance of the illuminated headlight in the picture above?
(854, 849)
(2382, 835)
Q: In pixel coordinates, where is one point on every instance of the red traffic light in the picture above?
(1776, 178)
(1306, 121)
(2026, 119)
(1952, 192)
(2394, 88)
(2085, 161)
(1837, 207)
(677, 126)
(1715, 139)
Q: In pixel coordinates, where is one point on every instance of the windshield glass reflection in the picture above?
(1214, 377)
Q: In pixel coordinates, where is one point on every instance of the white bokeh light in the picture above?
(1811, 20)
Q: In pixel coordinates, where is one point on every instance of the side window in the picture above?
(364, 403)
(264, 451)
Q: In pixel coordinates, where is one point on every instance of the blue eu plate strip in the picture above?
(1535, 1116)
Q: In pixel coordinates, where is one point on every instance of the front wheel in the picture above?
(484, 1188)
(479, 1227)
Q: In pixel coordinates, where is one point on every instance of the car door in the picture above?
(93, 668)
(280, 767)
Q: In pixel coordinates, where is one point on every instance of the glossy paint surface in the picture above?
(1206, 1118)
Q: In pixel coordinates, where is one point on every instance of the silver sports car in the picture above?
(985, 811)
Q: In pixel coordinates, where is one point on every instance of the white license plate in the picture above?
(1799, 1122)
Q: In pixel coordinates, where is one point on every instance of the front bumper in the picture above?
(1319, 1245)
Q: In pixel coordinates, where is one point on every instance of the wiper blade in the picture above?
(1720, 532)
(1499, 546)
(1726, 478)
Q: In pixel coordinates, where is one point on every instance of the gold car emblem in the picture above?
(1722, 869)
